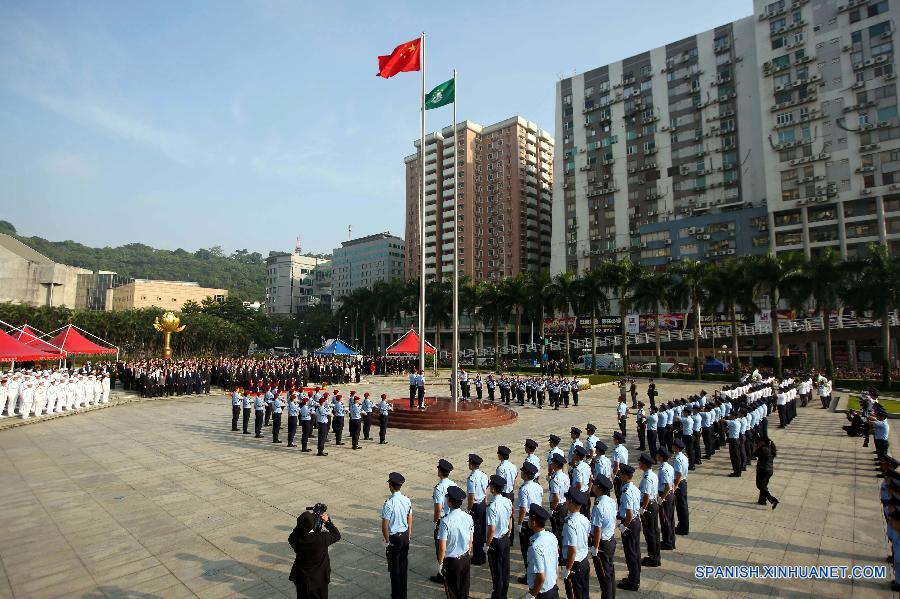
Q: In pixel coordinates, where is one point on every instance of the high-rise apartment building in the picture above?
(777, 131)
(505, 199)
(363, 261)
(830, 122)
(653, 151)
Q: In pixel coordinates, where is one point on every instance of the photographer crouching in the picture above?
(311, 572)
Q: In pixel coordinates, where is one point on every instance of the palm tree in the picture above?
(776, 276)
(692, 289)
(822, 279)
(536, 283)
(592, 298)
(561, 292)
(470, 292)
(437, 312)
(874, 284)
(494, 310)
(653, 291)
(730, 286)
(619, 277)
(515, 293)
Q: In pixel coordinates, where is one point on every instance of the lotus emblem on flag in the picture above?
(437, 97)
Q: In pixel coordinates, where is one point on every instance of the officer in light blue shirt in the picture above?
(367, 408)
(476, 491)
(560, 482)
(543, 553)
(619, 459)
(455, 537)
(602, 464)
(581, 472)
(575, 570)
(680, 466)
(529, 493)
(530, 446)
(441, 507)
(277, 406)
(603, 527)
(236, 401)
(630, 527)
(649, 488)
(306, 423)
(498, 522)
(337, 419)
(652, 423)
(506, 470)
(666, 499)
(591, 440)
(293, 409)
(322, 413)
(576, 442)
(260, 411)
(269, 396)
(396, 527)
(356, 416)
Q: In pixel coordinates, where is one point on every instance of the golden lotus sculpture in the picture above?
(167, 324)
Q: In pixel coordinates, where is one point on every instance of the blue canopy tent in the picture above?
(714, 367)
(336, 347)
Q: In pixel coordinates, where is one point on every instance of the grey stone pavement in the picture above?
(160, 499)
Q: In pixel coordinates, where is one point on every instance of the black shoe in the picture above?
(277, 441)
(339, 443)
(667, 547)
(437, 578)
(322, 453)
(895, 586)
(356, 447)
(627, 586)
(382, 442)
(763, 502)
(650, 563)
(246, 432)
(774, 504)
(522, 580)
(291, 445)
(306, 450)
(735, 475)
(234, 430)
(681, 532)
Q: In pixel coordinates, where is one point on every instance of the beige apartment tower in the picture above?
(505, 199)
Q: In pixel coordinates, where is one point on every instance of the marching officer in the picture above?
(454, 538)
(248, 407)
(666, 499)
(367, 408)
(630, 527)
(543, 556)
(322, 413)
(235, 407)
(649, 488)
(355, 421)
(439, 499)
(576, 572)
(681, 488)
(396, 526)
(603, 540)
(383, 408)
(337, 419)
(529, 493)
(476, 493)
(498, 522)
(306, 424)
(506, 470)
(559, 486)
(260, 411)
(277, 406)
(293, 415)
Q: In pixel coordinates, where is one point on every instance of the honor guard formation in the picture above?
(590, 495)
(33, 394)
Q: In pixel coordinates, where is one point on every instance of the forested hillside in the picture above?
(243, 273)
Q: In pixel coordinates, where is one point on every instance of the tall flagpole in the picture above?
(455, 343)
(422, 223)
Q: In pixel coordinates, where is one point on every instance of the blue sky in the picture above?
(245, 123)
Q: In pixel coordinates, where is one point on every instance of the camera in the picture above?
(318, 510)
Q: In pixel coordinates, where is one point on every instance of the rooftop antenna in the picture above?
(349, 232)
(298, 246)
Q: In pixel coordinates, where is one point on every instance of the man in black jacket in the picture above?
(311, 572)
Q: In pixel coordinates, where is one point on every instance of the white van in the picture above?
(604, 361)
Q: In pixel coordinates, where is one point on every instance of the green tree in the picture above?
(775, 276)
(730, 285)
(514, 291)
(494, 310)
(691, 289)
(874, 285)
(592, 298)
(619, 277)
(654, 291)
(822, 279)
(562, 293)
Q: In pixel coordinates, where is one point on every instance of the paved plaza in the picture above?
(159, 498)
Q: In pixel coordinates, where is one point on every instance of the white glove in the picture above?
(387, 543)
(622, 528)
(527, 595)
(641, 511)
(487, 547)
(565, 572)
(594, 551)
(520, 528)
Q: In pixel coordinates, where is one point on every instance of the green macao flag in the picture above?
(442, 95)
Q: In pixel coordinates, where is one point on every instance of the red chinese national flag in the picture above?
(405, 57)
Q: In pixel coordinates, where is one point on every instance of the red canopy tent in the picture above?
(408, 344)
(27, 336)
(73, 342)
(13, 350)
